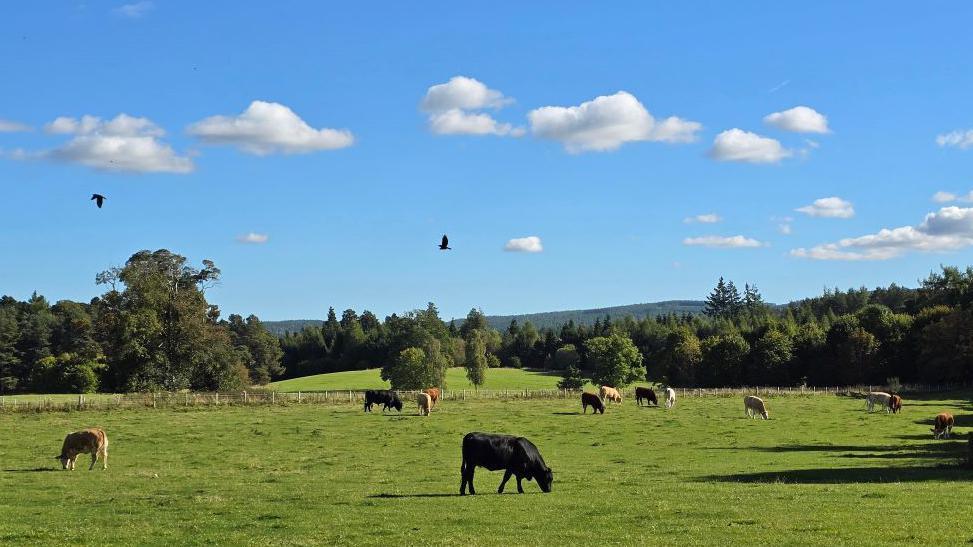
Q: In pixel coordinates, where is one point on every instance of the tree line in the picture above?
(153, 329)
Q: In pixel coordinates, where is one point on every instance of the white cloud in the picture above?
(267, 128)
(800, 119)
(124, 143)
(529, 244)
(960, 138)
(135, 10)
(452, 109)
(7, 126)
(784, 229)
(253, 238)
(462, 93)
(946, 197)
(724, 242)
(607, 122)
(739, 145)
(709, 218)
(833, 207)
(948, 229)
(458, 122)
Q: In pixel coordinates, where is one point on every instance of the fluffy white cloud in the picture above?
(607, 122)
(529, 244)
(800, 119)
(958, 139)
(124, 143)
(725, 242)
(7, 126)
(253, 238)
(948, 229)
(266, 128)
(833, 207)
(136, 9)
(709, 218)
(462, 93)
(739, 145)
(458, 122)
(452, 109)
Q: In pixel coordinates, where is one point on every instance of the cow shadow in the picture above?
(962, 420)
(845, 475)
(34, 470)
(564, 413)
(403, 496)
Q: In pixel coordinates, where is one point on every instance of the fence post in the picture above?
(298, 396)
(217, 398)
(273, 397)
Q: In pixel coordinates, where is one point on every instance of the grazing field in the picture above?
(820, 470)
(496, 378)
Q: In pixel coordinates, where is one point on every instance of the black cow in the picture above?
(592, 400)
(516, 455)
(646, 394)
(385, 397)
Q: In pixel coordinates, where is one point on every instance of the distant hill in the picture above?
(555, 319)
(552, 319)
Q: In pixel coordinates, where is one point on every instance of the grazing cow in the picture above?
(877, 397)
(89, 441)
(608, 393)
(433, 394)
(670, 397)
(646, 394)
(425, 403)
(943, 425)
(385, 397)
(895, 403)
(592, 400)
(753, 405)
(516, 455)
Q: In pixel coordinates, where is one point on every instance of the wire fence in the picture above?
(357, 397)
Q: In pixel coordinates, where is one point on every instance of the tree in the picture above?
(566, 357)
(723, 358)
(573, 379)
(681, 358)
(263, 352)
(724, 302)
(476, 362)
(617, 361)
(772, 354)
(407, 370)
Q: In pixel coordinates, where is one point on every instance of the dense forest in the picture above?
(153, 329)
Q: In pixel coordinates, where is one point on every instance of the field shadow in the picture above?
(812, 448)
(565, 413)
(34, 470)
(962, 420)
(847, 475)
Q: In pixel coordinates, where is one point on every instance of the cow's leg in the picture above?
(94, 458)
(506, 477)
(520, 486)
(104, 458)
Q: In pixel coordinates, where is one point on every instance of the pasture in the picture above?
(496, 378)
(821, 470)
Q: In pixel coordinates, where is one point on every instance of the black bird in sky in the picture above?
(444, 246)
(99, 199)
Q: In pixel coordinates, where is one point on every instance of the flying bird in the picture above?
(99, 199)
(444, 246)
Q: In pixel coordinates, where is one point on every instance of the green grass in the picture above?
(820, 471)
(496, 378)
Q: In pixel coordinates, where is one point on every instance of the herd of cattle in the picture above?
(517, 456)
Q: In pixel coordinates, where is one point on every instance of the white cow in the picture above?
(670, 397)
(755, 405)
(425, 403)
(877, 397)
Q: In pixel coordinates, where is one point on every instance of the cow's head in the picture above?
(64, 459)
(765, 414)
(544, 480)
(397, 404)
(936, 433)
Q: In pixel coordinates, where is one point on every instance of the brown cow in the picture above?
(433, 394)
(943, 425)
(895, 403)
(89, 441)
(592, 400)
(608, 393)
(646, 394)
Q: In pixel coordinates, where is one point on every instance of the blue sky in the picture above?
(352, 172)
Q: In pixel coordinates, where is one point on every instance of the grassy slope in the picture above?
(497, 378)
(820, 471)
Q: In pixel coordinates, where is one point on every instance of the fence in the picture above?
(335, 397)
